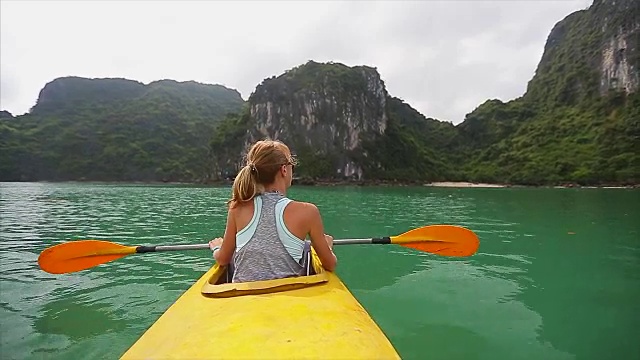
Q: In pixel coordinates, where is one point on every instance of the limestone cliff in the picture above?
(579, 120)
(620, 67)
(619, 58)
(590, 53)
(324, 111)
(115, 130)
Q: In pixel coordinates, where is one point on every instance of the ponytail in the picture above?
(263, 160)
(245, 186)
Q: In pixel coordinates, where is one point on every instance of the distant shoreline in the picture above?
(463, 184)
(364, 183)
(452, 184)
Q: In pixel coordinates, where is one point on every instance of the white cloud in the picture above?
(442, 57)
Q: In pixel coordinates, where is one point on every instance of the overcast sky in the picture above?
(442, 57)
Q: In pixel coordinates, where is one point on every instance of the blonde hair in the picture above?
(262, 163)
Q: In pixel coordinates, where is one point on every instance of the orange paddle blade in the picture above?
(80, 255)
(445, 240)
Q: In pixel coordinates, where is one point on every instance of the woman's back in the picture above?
(265, 247)
(297, 216)
(265, 230)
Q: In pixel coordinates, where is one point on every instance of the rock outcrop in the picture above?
(589, 53)
(322, 110)
(618, 70)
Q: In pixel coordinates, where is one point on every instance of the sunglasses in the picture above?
(293, 166)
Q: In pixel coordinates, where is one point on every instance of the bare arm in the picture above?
(319, 241)
(224, 255)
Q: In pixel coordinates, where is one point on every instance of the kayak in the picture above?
(312, 316)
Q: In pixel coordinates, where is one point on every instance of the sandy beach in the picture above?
(464, 184)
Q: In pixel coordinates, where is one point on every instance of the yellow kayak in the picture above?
(295, 318)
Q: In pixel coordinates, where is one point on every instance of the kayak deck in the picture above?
(306, 317)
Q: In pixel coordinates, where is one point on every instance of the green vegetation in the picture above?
(569, 127)
(227, 143)
(413, 148)
(115, 130)
(564, 130)
(587, 146)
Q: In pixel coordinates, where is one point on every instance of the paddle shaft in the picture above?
(157, 248)
(444, 240)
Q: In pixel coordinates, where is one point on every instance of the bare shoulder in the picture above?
(241, 213)
(233, 210)
(240, 206)
(305, 207)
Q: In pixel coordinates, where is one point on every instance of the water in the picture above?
(557, 275)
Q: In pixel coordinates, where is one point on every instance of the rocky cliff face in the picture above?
(620, 64)
(323, 111)
(578, 121)
(589, 53)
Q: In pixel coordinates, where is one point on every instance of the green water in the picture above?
(533, 290)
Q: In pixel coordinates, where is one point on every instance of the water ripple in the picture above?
(531, 291)
(43, 309)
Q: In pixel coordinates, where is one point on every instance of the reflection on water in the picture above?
(557, 275)
(469, 311)
(68, 317)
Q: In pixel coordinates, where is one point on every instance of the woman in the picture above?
(265, 230)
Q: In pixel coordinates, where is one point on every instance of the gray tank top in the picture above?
(264, 257)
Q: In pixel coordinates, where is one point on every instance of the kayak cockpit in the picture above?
(219, 283)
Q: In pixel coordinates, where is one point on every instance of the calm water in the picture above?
(557, 275)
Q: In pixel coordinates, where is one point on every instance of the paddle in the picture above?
(444, 240)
